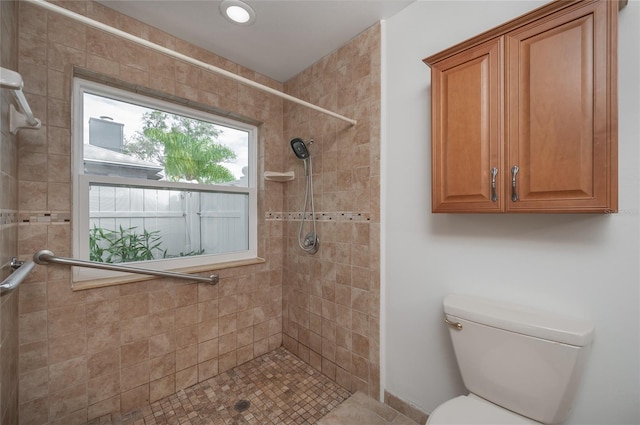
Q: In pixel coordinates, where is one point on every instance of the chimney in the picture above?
(106, 133)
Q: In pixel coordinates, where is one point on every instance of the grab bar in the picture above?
(21, 271)
(18, 120)
(45, 257)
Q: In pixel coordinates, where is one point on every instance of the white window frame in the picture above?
(81, 182)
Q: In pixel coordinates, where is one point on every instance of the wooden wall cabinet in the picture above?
(524, 116)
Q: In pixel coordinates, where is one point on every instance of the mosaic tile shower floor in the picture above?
(281, 389)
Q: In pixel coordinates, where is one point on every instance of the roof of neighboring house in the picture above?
(97, 154)
(101, 157)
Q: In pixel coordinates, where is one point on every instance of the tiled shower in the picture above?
(71, 356)
(8, 224)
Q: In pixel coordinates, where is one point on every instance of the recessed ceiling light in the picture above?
(237, 12)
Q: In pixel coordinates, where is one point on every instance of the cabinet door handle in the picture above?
(514, 190)
(494, 194)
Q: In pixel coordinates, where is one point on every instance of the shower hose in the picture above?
(308, 243)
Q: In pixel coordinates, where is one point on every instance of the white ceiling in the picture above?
(287, 37)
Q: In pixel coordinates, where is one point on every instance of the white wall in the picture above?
(583, 265)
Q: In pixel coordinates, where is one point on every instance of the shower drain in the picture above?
(242, 405)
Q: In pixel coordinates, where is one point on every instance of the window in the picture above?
(159, 183)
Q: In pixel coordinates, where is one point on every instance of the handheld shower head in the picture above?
(310, 243)
(299, 148)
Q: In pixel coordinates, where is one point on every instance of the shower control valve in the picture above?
(311, 243)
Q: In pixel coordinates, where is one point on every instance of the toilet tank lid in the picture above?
(520, 319)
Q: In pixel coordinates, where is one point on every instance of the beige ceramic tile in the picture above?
(32, 297)
(102, 337)
(207, 369)
(135, 329)
(33, 356)
(186, 357)
(162, 387)
(66, 320)
(186, 336)
(79, 417)
(208, 350)
(68, 346)
(68, 373)
(163, 322)
(227, 361)
(186, 295)
(103, 387)
(60, 295)
(208, 310)
(187, 315)
(134, 305)
(134, 398)
(103, 362)
(98, 409)
(186, 378)
(33, 327)
(103, 312)
(35, 411)
(134, 376)
(33, 385)
(162, 344)
(160, 367)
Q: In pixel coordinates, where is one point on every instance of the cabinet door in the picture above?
(561, 114)
(466, 110)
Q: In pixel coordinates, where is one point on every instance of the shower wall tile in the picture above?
(88, 353)
(32, 196)
(35, 411)
(331, 300)
(33, 48)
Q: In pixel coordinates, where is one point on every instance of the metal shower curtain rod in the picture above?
(18, 119)
(177, 55)
(44, 257)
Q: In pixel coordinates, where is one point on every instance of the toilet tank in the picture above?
(523, 359)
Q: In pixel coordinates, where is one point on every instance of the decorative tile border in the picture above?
(8, 217)
(40, 217)
(320, 216)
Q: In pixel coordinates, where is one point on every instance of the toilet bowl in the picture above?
(521, 365)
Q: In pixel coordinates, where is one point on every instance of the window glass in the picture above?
(128, 140)
(160, 183)
(129, 223)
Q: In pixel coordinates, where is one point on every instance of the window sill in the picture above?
(130, 278)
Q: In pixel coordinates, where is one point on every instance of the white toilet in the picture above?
(521, 365)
